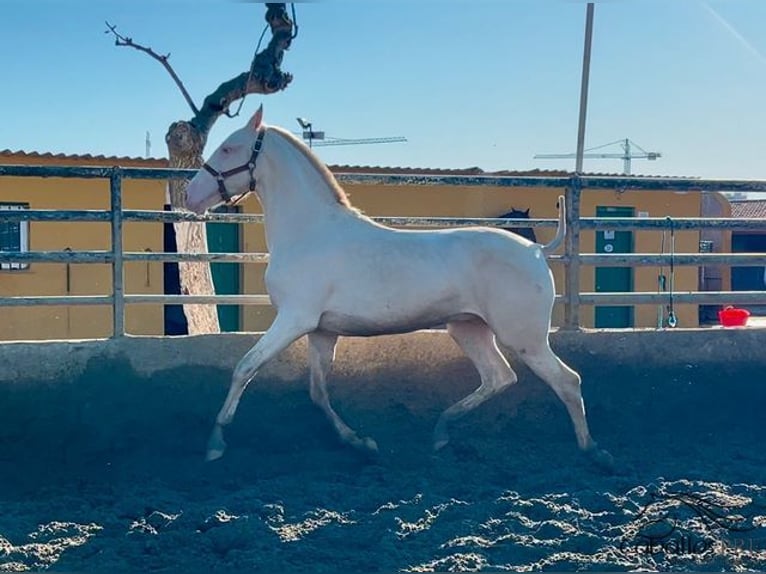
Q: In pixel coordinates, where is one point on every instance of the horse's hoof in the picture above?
(370, 445)
(440, 436)
(603, 459)
(440, 444)
(364, 445)
(215, 445)
(213, 454)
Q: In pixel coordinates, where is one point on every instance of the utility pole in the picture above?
(584, 88)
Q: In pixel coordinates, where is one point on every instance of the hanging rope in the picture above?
(661, 285)
(672, 320)
(295, 21)
(249, 77)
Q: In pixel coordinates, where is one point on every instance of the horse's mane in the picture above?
(326, 174)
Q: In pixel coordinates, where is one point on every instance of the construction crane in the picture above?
(318, 138)
(626, 156)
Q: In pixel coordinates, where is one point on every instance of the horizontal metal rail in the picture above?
(200, 299)
(650, 184)
(586, 223)
(184, 257)
(696, 297)
(55, 215)
(603, 260)
(74, 300)
(685, 259)
(586, 298)
(59, 257)
(660, 184)
(94, 172)
(65, 300)
(56, 257)
(679, 224)
(178, 216)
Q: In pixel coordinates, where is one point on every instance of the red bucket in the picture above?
(732, 317)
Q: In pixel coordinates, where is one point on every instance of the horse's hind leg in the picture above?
(284, 330)
(565, 382)
(321, 356)
(477, 341)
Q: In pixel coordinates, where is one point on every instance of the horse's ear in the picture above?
(527, 211)
(255, 121)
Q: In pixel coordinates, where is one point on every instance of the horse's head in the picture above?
(230, 172)
(527, 232)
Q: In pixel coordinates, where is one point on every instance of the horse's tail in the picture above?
(561, 232)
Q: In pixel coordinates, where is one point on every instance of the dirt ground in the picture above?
(106, 473)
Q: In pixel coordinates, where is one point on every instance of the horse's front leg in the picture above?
(286, 328)
(321, 355)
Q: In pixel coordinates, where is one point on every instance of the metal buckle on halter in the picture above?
(254, 157)
(258, 142)
(251, 165)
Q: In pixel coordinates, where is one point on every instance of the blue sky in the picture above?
(486, 84)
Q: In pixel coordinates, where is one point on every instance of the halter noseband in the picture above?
(249, 167)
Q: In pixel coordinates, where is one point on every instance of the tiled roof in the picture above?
(380, 170)
(80, 157)
(477, 171)
(748, 208)
(365, 169)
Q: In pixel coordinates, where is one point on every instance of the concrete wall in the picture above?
(421, 353)
(81, 403)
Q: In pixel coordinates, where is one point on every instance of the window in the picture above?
(14, 236)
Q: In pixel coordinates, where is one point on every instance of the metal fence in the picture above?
(572, 259)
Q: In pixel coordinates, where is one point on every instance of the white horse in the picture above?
(332, 271)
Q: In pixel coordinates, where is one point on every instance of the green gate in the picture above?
(224, 238)
(614, 279)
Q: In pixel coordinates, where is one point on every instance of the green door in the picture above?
(612, 279)
(224, 238)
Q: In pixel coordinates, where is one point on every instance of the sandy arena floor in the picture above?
(120, 485)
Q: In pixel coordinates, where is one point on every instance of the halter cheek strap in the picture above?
(249, 167)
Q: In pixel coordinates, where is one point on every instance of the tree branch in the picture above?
(120, 40)
(264, 76)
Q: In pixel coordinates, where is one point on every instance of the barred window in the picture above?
(14, 236)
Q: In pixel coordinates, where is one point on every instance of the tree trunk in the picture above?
(186, 141)
(185, 145)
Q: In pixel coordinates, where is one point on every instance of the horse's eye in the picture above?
(226, 149)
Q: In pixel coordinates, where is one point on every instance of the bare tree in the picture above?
(186, 141)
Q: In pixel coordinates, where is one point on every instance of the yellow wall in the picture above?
(656, 204)
(475, 201)
(44, 279)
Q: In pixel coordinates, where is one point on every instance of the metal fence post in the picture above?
(572, 253)
(118, 290)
